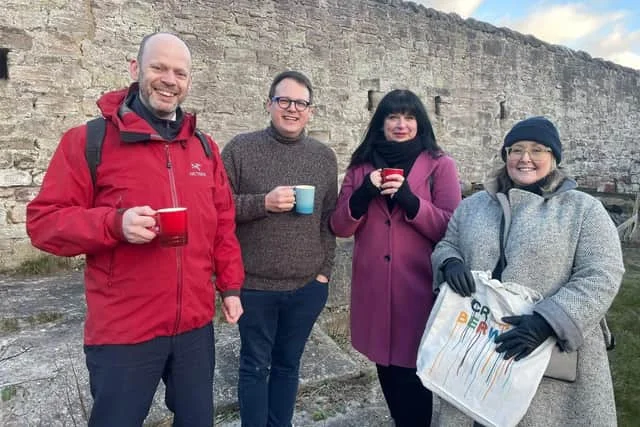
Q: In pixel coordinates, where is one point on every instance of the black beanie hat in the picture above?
(538, 129)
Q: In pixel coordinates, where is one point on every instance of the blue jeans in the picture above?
(124, 378)
(274, 329)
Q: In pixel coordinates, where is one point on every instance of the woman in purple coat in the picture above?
(396, 224)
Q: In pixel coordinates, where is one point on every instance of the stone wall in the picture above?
(63, 54)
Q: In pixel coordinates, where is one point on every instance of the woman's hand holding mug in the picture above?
(392, 179)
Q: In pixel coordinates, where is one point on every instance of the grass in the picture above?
(45, 265)
(8, 325)
(624, 321)
(14, 324)
(333, 397)
(8, 393)
(335, 322)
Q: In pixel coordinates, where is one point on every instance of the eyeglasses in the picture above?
(284, 103)
(535, 153)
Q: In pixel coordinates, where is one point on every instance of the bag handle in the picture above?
(504, 232)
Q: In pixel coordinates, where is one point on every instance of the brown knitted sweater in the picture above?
(281, 251)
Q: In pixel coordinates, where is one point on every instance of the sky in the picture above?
(604, 29)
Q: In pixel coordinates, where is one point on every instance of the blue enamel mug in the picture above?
(305, 195)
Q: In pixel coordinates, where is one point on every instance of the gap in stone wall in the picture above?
(373, 99)
(4, 64)
(503, 110)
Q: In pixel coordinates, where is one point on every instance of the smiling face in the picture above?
(400, 127)
(522, 169)
(163, 73)
(289, 121)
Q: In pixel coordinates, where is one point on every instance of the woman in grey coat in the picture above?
(558, 241)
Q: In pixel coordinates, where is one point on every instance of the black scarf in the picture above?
(536, 187)
(389, 154)
(168, 129)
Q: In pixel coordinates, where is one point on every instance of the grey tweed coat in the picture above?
(565, 246)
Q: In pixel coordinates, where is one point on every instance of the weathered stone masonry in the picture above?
(59, 56)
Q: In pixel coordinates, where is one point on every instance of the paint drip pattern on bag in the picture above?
(457, 358)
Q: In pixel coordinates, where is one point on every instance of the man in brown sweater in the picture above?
(288, 256)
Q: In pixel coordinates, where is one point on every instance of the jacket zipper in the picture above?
(174, 201)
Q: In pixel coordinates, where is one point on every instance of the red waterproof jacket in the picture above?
(136, 292)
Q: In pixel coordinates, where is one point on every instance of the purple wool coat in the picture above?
(391, 291)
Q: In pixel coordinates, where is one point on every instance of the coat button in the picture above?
(387, 257)
(388, 222)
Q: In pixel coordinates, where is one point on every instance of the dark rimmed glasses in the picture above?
(535, 153)
(284, 103)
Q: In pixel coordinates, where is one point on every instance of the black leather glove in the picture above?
(360, 199)
(530, 331)
(458, 276)
(407, 200)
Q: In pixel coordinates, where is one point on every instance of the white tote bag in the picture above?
(457, 358)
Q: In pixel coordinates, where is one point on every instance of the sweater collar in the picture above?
(271, 130)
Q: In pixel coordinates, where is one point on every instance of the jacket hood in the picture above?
(567, 184)
(562, 185)
(133, 128)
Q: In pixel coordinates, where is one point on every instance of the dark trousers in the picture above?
(274, 329)
(409, 402)
(124, 378)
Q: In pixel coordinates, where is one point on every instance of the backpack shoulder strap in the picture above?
(96, 129)
(205, 143)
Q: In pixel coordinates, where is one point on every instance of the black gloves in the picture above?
(360, 199)
(407, 200)
(530, 331)
(458, 276)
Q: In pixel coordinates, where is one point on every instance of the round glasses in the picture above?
(284, 103)
(535, 153)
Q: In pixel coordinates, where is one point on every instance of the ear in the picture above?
(133, 69)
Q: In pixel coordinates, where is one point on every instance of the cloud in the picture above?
(464, 8)
(620, 38)
(617, 45)
(561, 24)
(626, 58)
(602, 35)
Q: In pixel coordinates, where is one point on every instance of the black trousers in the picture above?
(124, 378)
(409, 402)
